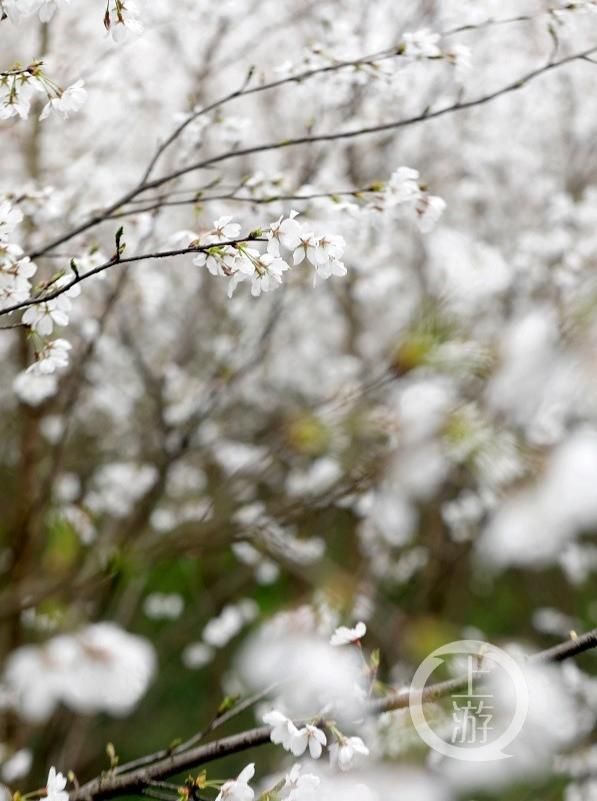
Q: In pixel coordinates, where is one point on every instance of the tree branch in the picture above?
(144, 185)
(78, 278)
(111, 786)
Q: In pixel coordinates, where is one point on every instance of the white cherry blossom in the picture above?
(429, 209)
(306, 249)
(52, 357)
(299, 786)
(285, 232)
(283, 729)
(348, 752)
(10, 217)
(55, 786)
(42, 317)
(344, 635)
(403, 186)
(123, 20)
(238, 789)
(308, 736)
(226, 230)
(67, 102)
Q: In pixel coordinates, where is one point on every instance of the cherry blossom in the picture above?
(224, 229)
(299, 786)
(16, 101)
(308, 736)
(348, 752)
(34, 388)
(123, 20)
(101, 667)
(403, 186)
(15, 272)
(263, 270)
(304, 247)
(17, 765)
(429, 209)
(55, 786)
(286, 232)
(238, 789)
(344, 635)
(52, 357)
(283, 729)
(68, 100)
(44, 316)
(10, 217)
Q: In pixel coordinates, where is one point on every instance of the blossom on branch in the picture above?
(238, 789)
(55, 786)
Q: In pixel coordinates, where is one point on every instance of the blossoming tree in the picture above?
(298, 330)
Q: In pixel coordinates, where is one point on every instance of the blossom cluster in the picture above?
(405, 192)
(122, 19)
(234, 259)
(345, 753)
(20, 86)
(100, 668)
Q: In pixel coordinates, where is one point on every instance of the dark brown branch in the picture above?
(78, 278)
(111, 786)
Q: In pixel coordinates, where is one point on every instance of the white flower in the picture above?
(17, 766)
(101, 668)
(44, 316)
(309, 736)
(306, 249)
(268, 273)
(70, 100)
(196, 655)
(403, 186)
(17, 103)
(10, 217)
(283, 729)
(421, 44)
(238, 789)
(214, 262)
(299, 787)
(34, 388)
(263, 270)
(55, 786)
(221, 629)
(348, 752)
(284, 232)
(429, 209)
(163, 606)
(329, 248)
(123, 20)
(14, 275)
(344, 635)
(53, 357)
(224, 229)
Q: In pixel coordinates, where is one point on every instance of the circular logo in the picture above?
(474, 712)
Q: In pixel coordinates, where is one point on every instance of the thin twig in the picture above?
(163, 254)
(143, 186)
